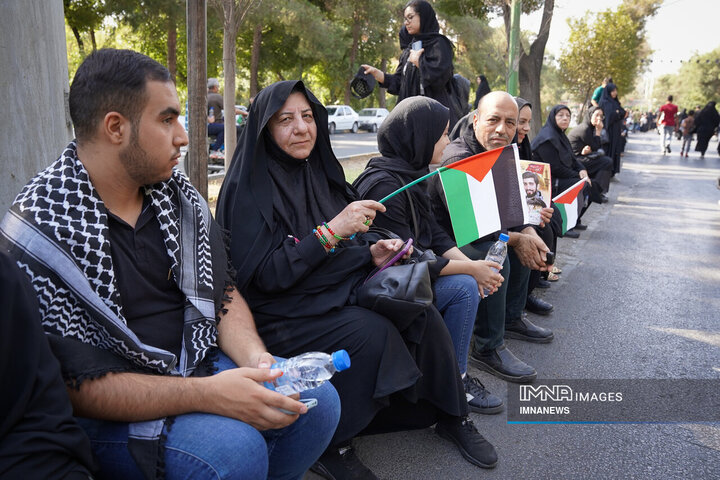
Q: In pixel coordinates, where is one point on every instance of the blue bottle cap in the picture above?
(504, 237)
(341, 360)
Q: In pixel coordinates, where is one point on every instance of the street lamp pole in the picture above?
(514, 62)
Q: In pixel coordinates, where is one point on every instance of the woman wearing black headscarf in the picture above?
(426, 71)
(552, 146)
(705, 124)
(586, 142)
(410, 138)
(286, 204)
(482, 90)
(614, 115)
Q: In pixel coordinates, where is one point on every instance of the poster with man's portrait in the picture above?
(536, 183)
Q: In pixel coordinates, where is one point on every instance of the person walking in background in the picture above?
(705, 124)
(667, 121)
(687, 126)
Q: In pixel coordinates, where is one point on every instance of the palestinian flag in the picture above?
(484, 193)
(569, 205)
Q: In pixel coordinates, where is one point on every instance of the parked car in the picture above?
(371, 118)
(342, 117)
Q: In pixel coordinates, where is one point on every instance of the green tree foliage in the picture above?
(611, 43)
(696, 83)
(84, 17)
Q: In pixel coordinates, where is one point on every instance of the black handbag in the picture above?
(400, 293)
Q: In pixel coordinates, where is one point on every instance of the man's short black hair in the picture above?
(670, 97)
(532, 175)
(111, 80)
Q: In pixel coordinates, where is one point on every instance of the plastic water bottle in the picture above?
(306, 371)
(497, 254)
(212, 113)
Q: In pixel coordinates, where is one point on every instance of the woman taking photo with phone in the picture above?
(426, 63)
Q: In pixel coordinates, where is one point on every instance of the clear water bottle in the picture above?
(497, 254)
(306, 371)
(212, 113)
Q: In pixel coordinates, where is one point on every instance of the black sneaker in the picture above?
(473, 446)
(342, 464)
(479, 399)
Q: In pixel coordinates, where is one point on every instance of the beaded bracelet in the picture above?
(323, 239)
(338, 237)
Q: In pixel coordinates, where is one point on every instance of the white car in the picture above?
(342, 117)
(371, 118)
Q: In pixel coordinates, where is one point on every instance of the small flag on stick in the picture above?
(569, 204)
(485, 194)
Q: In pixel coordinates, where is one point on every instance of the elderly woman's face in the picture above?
(562, 118)
(524, 118)
(293, 127)
(412, 21)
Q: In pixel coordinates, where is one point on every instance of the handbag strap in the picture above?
(410, 202)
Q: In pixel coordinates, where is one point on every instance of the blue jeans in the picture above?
(457, 298)
(507, 303)
(204, 446)
(667, 136)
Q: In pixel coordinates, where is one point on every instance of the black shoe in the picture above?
(580, 226)
(523, 329)
(473, 446)
(538, 305)
(503, 364)
(603, 199)
(571, 234)
(543, 283)
(479, 399)
(341, 464)
(668, 149)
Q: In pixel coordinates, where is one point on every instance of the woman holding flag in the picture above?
(410, 138)
(553, 146)
(300, 248)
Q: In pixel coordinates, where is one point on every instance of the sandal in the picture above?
(555, 270)
(552, 277)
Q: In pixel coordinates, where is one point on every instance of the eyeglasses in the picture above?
(409, 18)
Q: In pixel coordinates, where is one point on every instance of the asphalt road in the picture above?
(351, 144)
(639, 298)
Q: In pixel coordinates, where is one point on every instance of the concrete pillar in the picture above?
(35, 122)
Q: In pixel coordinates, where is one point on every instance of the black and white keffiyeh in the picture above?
(57, 231)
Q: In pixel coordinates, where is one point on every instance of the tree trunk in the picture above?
(255, 59)
(382, 92)
(229, 36)
(34, 77)
(197, 155)
(172, 46)
(531, 64)
(78, 39)
(353, 54)
(92, 38)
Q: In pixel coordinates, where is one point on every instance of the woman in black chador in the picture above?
(586, 142)
(705, 124)
(614, 115)
(427, 70)
(552, 146)
(300, 249)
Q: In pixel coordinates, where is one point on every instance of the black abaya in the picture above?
(301, 296)
(598, 166)
(434, 76)
(705, 124)
(407, 141)
(614, 115)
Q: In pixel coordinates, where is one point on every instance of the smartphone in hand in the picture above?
(392, 258)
